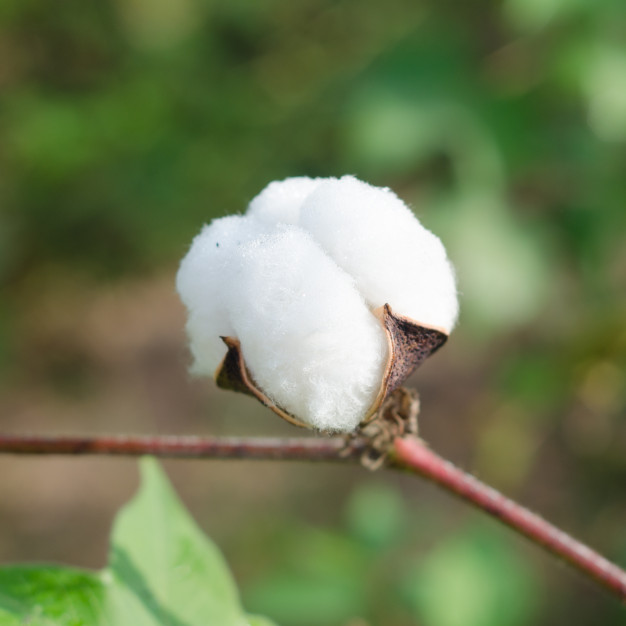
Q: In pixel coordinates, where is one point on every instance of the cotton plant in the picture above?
(319, 301)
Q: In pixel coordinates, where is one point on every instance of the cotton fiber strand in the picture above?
(307, 336)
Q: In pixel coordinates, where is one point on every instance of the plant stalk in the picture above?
(406, 453)
(412, 454)
(185, 447)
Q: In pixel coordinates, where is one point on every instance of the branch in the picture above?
(407, 453)
(190, 447)
(413, 455)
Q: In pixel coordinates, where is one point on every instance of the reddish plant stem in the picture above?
(408, 454)
(190, 447)
(414, 455)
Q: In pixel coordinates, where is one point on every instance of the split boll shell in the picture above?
(319, 301)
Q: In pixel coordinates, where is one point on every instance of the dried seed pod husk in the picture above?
(410, 344)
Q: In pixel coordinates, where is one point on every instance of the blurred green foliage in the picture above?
(125, 124)
(371, 570)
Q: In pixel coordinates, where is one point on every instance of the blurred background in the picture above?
(127, 124)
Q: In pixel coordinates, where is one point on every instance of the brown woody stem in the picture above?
(407, 453)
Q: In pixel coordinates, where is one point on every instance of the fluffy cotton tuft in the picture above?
(375, 238)
(201, 284)
(307, 336)
(296, 280)
(280, 201)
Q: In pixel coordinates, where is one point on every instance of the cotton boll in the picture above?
(293, 284)
(281, 200)
(308, 338)
(200, 283)
(370, 233)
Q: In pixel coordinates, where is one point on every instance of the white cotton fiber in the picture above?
(200, 283)
(281, 200)
(374, 237)
(296, 281)
(308, 338)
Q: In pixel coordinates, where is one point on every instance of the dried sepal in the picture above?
(232, 374)
(409, 344)
(396, 417)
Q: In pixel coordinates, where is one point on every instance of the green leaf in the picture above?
(162, 572)
(160, 554)
(46, 596)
